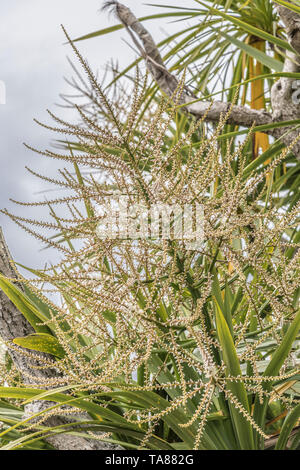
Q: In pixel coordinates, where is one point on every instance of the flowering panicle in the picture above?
(145, 309)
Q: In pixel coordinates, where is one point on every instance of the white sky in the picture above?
(32, 65)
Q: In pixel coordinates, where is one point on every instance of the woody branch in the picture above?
(240, 115)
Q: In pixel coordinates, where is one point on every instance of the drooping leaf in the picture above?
(42, 342)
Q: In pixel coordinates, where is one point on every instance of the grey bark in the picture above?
(12, 325)
(283, 106)
(282, 94)
(291, 21)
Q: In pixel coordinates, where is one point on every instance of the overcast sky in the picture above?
(33, 64)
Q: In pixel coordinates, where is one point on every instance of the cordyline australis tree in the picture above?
(153, 345)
